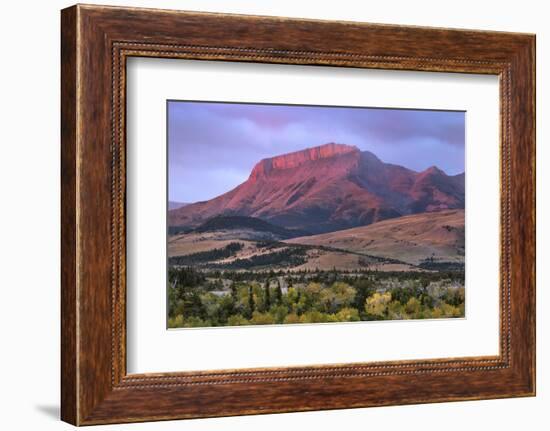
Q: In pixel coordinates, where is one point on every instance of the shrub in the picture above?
(176, 322)
(196, 322)
(261, 319)
(348, 314)
(292, 318)
(237, 320)
(450, 310)
(313, 317)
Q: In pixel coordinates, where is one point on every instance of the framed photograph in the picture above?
(321, 233)
(266, 215)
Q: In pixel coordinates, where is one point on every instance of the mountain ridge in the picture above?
(329, 187)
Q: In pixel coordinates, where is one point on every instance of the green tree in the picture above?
(364, 288)
(227, 308)
(279, 312)
(251, 306)
(279, 293)
(396, 311)
(267, 296)
(234, 293)
(211, 306)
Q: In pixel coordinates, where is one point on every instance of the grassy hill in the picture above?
(421, 239)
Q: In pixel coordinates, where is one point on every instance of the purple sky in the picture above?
(212, 147)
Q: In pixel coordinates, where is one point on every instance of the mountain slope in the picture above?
(175, 205)
(416, 239)
(328, 188)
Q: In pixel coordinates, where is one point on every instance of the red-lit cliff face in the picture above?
(298, 158)
(326, 188)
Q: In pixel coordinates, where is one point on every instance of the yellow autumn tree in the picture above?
(348, 314)
(413, 307)
(377, 304)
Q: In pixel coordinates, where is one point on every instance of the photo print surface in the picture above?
(289, 214)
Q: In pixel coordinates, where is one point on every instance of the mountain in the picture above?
(427, 239)
(329, 188)
(175, 205)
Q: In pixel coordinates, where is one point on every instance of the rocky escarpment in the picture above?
(298, 158)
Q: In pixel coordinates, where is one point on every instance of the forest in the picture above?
(210, 298)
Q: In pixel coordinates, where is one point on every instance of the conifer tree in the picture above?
(267, 296)
(250, 301)
(279, 293)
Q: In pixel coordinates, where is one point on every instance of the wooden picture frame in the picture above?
(95, 43)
